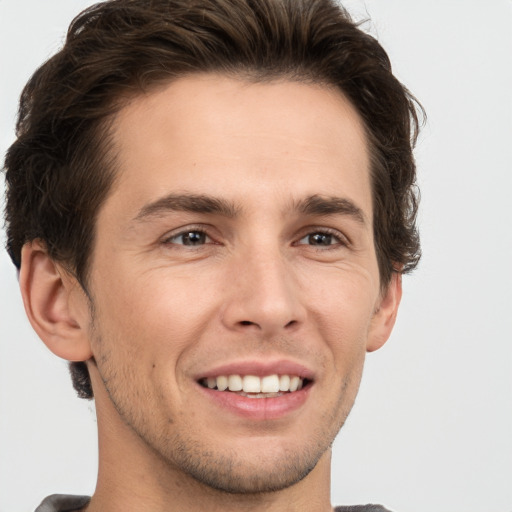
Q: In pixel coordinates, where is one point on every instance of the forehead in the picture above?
(210, 134)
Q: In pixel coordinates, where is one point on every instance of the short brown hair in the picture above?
(60, 169)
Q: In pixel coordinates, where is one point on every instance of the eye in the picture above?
(321, 239)
(193, 238)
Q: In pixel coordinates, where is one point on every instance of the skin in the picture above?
(267, 280)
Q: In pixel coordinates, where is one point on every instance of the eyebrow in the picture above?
(200, 203)
(330, 205)
(196, 203)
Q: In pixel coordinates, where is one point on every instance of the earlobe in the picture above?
(55, 305)
(385, 315)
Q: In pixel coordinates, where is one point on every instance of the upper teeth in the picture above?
(253, 384)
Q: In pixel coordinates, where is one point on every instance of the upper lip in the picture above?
(259, 369)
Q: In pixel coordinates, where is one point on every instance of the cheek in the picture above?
(342, 301)
(341, 305)
(153, 314)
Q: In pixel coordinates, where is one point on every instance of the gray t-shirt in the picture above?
(67, 503)
(62, 503)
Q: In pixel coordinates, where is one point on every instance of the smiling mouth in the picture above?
(252, 386)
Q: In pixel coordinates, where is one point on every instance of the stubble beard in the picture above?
(225, 470)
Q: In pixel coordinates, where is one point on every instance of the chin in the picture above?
(231, 474)
(268, 464)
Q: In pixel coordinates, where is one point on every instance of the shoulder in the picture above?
(62, 503)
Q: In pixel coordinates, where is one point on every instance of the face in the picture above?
(236, 249)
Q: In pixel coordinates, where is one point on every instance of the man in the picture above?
(211, 204)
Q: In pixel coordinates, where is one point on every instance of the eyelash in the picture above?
(191, 229)
(341, 240)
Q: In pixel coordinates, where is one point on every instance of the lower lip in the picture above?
(259, 408)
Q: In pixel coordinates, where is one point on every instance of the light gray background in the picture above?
(432, 426)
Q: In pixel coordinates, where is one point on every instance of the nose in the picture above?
(265, 296)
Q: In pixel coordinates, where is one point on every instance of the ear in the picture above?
(385, 314)
(55, 303)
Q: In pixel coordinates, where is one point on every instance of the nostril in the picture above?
(291, 323)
